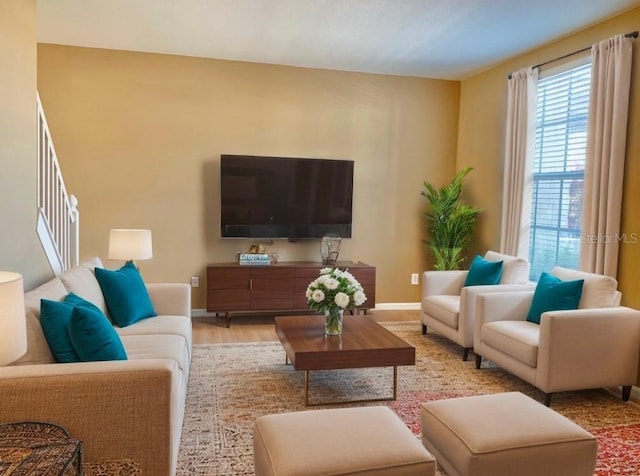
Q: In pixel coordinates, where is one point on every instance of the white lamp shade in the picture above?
(129, 244)
(13, 323)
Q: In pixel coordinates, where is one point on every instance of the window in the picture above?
(558, 169)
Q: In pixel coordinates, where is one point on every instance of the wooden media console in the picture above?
(235, 288)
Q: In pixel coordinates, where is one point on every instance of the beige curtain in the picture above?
(518, 162)
(606, 143)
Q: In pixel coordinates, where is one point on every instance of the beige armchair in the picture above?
(448, 307)
(594, 346)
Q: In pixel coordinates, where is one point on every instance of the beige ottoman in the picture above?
(505, 434)
(363, 441)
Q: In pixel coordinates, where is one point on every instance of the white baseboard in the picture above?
(199, 313)
(385, 306)
(635, 394)
(397, 306)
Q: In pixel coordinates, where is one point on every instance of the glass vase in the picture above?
(330, 249)
(333, 321)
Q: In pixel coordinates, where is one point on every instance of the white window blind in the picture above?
(558, 169)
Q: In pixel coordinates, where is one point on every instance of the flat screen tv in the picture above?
(285, 197)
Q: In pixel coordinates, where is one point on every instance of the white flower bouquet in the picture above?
(332, 292)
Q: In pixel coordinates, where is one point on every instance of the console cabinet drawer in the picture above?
(228, 288)
(272, 288)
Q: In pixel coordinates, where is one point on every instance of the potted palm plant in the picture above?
(450, 222)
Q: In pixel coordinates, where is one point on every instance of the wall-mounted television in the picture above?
(285, 197)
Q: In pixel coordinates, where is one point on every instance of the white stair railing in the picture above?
(58, 217)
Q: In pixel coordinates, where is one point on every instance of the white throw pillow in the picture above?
(82, 281)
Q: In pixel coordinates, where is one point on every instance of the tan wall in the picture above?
(481, 142)
(20, 249)
(139, 138)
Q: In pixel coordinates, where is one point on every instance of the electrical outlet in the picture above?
(195, 282)
(415, 278)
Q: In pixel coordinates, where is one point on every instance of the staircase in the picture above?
(58, 224)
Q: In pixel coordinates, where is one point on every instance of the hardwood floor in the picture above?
(259, 328)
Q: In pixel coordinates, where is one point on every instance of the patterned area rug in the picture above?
(232, 384)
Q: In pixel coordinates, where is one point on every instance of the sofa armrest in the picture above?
(468, 295)
(588, 348)
(170, 299)
(436, 283)
(120, 410)
(500, 306)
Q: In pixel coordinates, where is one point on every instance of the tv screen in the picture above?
(285, 197)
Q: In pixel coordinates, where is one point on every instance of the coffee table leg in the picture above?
(395, 381)
(383, 399)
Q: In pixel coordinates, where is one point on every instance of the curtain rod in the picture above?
(633, 34)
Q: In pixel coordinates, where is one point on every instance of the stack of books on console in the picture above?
(256, 258)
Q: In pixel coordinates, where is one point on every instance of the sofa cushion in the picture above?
(553, 294)
(53, 290)
(519, 339)
(598, 290)
(157, 347)
(93, 336)
(54, 318)
(171, 325)
(444, 308)
(515, 270)
(81, 281)
(38, 351)
(125, 294)
(74, 300)
(483, 272)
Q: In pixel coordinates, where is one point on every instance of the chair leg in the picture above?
(547, 399)
(424, 329)
(478, 361)
(626, 393)
(465, 353)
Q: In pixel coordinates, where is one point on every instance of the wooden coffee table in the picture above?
(363, 343)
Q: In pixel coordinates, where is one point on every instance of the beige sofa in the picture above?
(121, 410)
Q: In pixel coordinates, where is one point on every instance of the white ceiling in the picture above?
(448, 39)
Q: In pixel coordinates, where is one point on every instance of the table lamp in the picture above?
(13, 324)
(130, 244)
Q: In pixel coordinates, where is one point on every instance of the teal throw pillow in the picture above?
(93, 336)
(54, 319)
(125, 294)
(76, 300)
(553, 294)
(483, 272)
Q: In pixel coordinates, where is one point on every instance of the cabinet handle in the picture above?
(250, 284)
